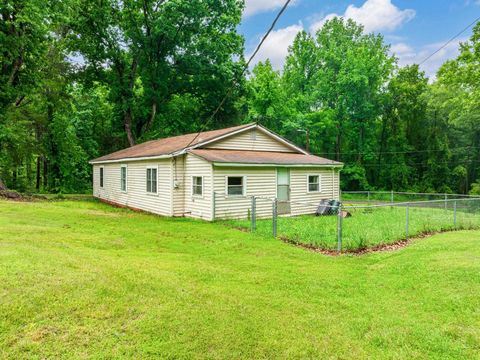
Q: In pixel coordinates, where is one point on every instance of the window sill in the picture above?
(152, 194)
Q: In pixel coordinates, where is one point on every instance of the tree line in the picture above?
(82, 78)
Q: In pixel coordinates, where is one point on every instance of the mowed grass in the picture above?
(369, 227)
(84, 280)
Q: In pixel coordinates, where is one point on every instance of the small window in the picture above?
(101, 177)
(197, 185)
(313, 183)
(152, 180)
(235, 185)
(123, 178)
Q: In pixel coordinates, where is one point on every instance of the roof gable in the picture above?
(255, 139)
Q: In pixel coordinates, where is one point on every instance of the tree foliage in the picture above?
(82, 78)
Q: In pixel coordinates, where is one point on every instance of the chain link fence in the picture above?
(366, 220)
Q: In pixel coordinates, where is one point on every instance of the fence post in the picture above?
(368, 197)
(274, 217)
(391, 196)
(446, 198)
(455, 214)
(339, 228)
(407, 220)
(254, 214)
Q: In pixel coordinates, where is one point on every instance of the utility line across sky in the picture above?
(229, 91)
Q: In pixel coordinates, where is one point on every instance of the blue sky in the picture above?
(414, 29)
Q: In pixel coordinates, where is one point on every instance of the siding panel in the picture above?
(247, 141)
(198, 206)
(304, 202)
(262, 182)
(136, 195)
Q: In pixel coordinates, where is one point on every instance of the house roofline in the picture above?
(142, 158)
(203, 143)
(244, 164)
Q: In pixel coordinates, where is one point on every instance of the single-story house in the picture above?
(214, 174)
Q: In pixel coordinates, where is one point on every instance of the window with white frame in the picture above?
(314, 183)
(123, 178)
(101, 176)
(197, 185)
(152, 180)
(235, 185)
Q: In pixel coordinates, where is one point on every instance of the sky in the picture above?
(414, 29)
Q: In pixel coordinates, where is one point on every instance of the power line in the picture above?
(229, 91)
(424, 165)
(449, 41)
(399, 152)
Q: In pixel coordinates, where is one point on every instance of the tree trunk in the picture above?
(128, 127)
(149, 123)
(2, 186)
(39, 166)
(45, 172)
(338, 142)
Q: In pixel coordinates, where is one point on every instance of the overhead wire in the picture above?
(450, 40)
(229, 91)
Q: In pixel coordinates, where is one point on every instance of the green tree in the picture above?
(151, 53)
(266, 97)
(402, 130)
(459, 81)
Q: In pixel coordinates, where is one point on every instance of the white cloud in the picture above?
(374, 15)
(408, 55)
(253, 7)
(276, 46)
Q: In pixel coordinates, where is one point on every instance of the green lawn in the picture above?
(368, 227)
(84, 280)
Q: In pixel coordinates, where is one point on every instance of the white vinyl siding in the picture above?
(305, 201)
(198, 207)
(258, 182)
(136, 197)
(262, 182)
(254, 139)
(178, 186)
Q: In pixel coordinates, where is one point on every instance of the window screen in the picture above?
(197, 185)
(313, 183)
(101, 177)
(152, 180)
(235, 185)
(123, 178)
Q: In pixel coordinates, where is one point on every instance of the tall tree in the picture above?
(459, 82)
(402, 130)
(150, 52)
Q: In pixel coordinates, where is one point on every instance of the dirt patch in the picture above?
(14, 196)
(400, 244)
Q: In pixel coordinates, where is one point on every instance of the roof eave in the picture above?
(141, 158)
(246, 164)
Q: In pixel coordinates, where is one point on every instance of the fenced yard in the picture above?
(373, 219)
(81, 279)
